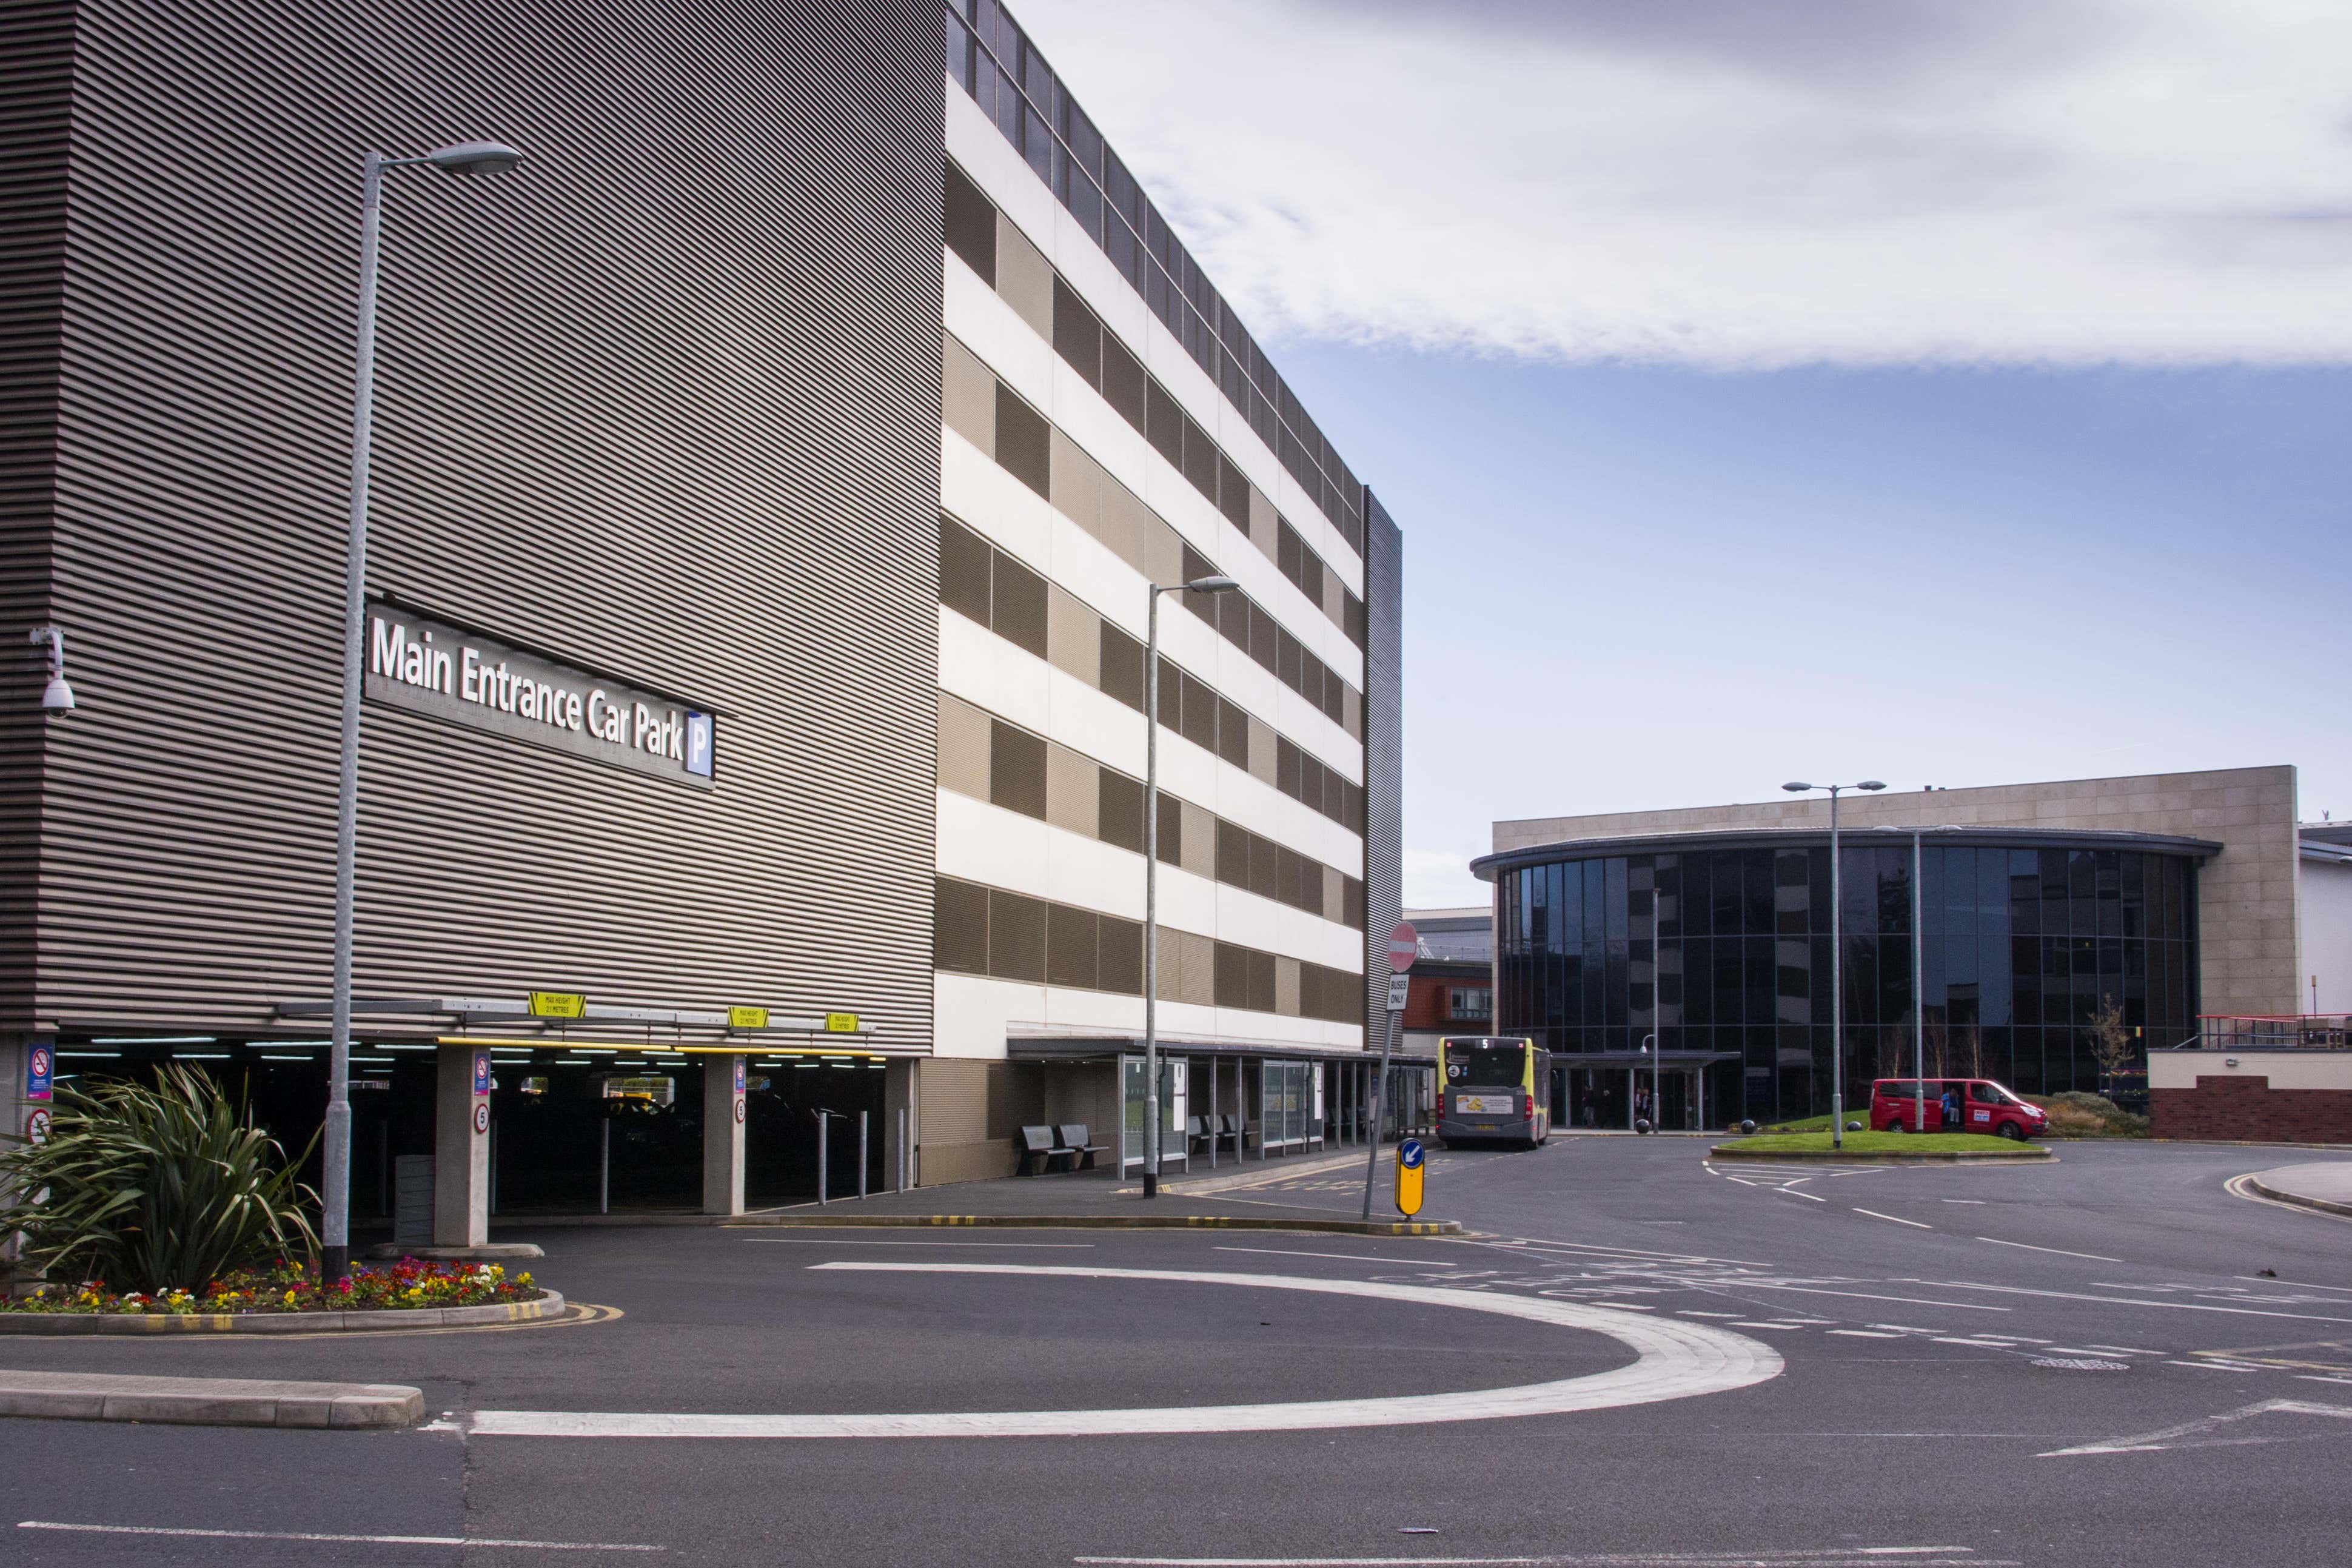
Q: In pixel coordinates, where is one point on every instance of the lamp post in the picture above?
(461, 158)
(1657, 1053)
(1837, 939)
(1919, 973)
(1152, 868)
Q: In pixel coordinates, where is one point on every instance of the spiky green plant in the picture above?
(152, 1186)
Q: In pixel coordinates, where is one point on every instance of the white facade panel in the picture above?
(1269, 927)
(988, 672)
(994, 503)
(974, 141)
(995, 331)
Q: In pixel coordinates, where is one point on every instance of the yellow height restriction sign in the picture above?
(747, 1017)
(1412, 1165)
(558, 1005)
(841, 1022)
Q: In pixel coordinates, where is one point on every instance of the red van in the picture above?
(1976, 1105)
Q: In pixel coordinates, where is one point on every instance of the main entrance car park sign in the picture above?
(416, 662)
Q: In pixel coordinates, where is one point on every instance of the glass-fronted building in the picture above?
(1718, 945)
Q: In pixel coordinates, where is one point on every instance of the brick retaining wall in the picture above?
(2247, 1108)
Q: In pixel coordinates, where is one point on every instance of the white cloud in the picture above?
(1749, 184)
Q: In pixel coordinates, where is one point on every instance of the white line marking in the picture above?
(2197, 1431)
(1795, 1194)
(2132, 1301)
(1351, 1256)
(1978, 1203)
(1866, 1334)
(1866, 1296)
(2209, 1366)
(1695, 1313)
(2315, 1377)
(1675, 1361)
(2093, 1256)
(1834, 1557)
(312, 1535)
(2296, 1284)
(816, 1241)
(2123, 1350)
(1913, 1224)
(1973, 1344)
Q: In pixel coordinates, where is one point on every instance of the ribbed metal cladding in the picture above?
(1383, 754)
(664, 403)
(36, 84)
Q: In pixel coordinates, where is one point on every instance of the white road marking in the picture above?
(1978, 1203)
(2199, 1433)
(2130, 1301)
(2093, 1256)
(1675, 1361)
(2209, 1366)
(1973, 1344)
(355, 1540)
(1866, 1334)
(1695, 1313)
(1783, 1327)
(1795, 1194)
(1866, 1296)
(1832, 1557)
(2315, 1377)
(2123, 1350)
(816, 1241)
(1351, 1256)
(1913, 1224)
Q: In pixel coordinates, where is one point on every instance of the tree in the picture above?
(2112, 1041)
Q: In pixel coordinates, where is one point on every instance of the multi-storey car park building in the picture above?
(769, 480)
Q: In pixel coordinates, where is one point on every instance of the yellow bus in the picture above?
(1495, 1088)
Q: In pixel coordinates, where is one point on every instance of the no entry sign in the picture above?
(1404, 945)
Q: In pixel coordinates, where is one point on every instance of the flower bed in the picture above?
(405, 1286)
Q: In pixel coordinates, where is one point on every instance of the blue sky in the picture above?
(1949, 391)
(1647, 587)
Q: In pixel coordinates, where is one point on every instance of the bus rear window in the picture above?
(1498, 1065)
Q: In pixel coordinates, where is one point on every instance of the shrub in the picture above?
(2074, 1113)
(154, 1187)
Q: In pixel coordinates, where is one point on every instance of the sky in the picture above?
(1948, 392)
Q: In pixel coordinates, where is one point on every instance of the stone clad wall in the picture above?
(2246, 895)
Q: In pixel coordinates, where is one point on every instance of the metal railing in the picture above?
(2270, 1032)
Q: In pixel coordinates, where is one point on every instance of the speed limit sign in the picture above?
(482, 1117)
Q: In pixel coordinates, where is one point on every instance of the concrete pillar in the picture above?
(461, 1148)
(722, 1133)
(902, 1112)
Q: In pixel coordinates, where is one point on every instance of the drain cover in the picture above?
(2076, 1364)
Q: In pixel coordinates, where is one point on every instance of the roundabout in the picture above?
(1673, 1360)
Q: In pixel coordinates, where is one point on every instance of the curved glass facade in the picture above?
(1724, 952)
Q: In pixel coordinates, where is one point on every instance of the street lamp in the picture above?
(1152, 868)
(1918, 973)
(1837, 988)
(459, 158)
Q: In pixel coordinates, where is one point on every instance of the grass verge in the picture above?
(1883, 1143)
